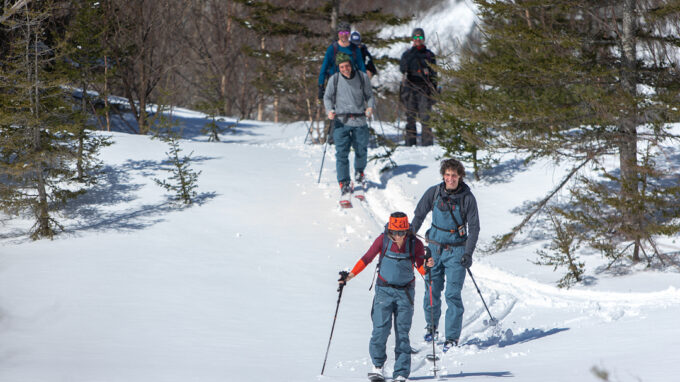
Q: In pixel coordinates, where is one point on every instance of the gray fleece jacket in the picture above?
(349, 98)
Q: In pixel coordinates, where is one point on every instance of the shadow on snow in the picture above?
(115, 187)
(411, 170)
(471, 374)
(526, 336)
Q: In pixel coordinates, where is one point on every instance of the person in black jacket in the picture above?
(371, 70)
(419, 86)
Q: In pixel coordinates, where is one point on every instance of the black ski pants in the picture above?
(418, 105)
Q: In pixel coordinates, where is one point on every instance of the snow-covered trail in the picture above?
(533, 311)
(242, 286)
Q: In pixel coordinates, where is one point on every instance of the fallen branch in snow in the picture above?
(504, 241)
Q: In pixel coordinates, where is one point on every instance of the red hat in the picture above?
(398, 222)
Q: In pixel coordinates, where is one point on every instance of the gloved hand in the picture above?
(321, 91)
(344, 277)
(466, 261)
(428, 256)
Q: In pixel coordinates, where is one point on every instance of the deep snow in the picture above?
(242, 286)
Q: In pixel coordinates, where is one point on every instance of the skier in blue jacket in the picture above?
(329, 67)
(452, 239)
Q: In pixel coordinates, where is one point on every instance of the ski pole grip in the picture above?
(428, 253)
(343, 278)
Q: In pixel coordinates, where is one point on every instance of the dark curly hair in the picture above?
(452, 164)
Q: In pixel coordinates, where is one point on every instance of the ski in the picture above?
(360, 191)
(346, 197)
(344, 203)
(375, 377)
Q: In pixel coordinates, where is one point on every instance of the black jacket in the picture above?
(417, 64)
(370, 66)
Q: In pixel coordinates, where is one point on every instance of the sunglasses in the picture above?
(418, 38)
(343, 33)
(398, 233)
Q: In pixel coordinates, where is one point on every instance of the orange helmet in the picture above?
(398, 222)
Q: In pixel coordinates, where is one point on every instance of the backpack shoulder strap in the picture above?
(362, 86)
(354, 49)
(434, 198)
(335, 88)
(336, 47)
(386, 242)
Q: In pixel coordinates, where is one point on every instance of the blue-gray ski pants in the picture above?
(447, 270)
(392, 304)
(346, 137)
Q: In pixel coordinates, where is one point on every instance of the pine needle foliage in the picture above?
(293, 41)
(579, 81)
(183, 180)
(84, 53)
(561, 253)
(38, 127)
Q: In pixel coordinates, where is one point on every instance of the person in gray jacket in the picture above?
(349, 101)
(451, 239)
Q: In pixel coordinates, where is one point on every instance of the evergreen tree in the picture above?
(37, 124)
(563, 80)
(84, 67)
(294, 39)
(183, 179)
(562, 253)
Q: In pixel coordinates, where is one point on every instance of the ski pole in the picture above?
(493, 321)
(343, 276)
(311, 125)
(330, 131)
(384, 138)
(428, 255)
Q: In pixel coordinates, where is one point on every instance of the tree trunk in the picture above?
(223, 94)
(81, 132)
(335, 11)
(628, 128)
(106, 94)
(260, 97)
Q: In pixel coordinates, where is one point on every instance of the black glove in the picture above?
(321, 91)
(343, 279)
(466, 261)
(428, 255)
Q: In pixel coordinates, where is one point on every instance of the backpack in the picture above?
(412, 248)
(461, 225)
(336, 48)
